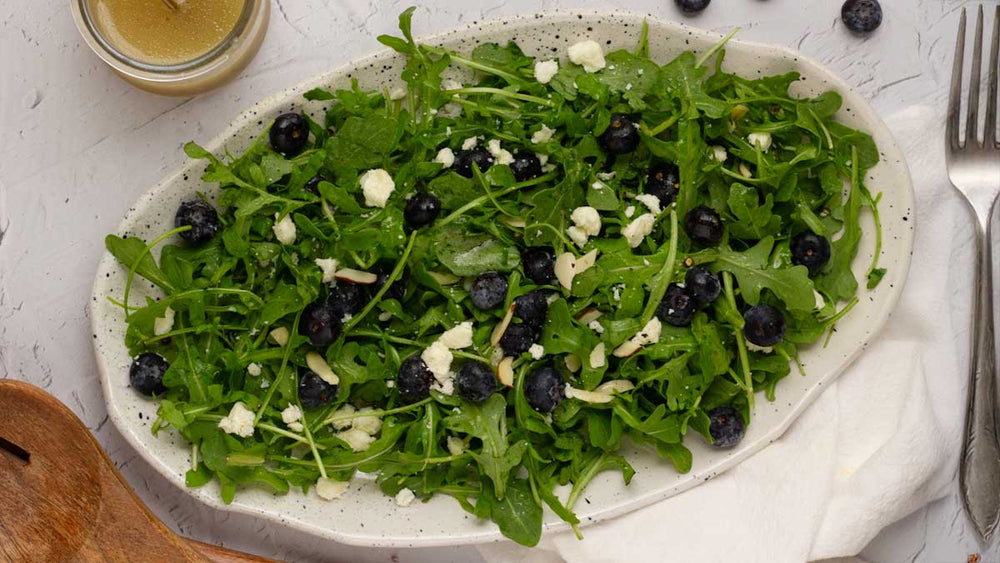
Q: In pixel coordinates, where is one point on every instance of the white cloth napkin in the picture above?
(881, 442)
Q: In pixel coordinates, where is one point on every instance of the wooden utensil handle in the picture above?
(223, 555)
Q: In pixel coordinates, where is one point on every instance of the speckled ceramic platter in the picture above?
(364, 516)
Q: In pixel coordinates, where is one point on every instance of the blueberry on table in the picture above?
(810, 250)
(526, 166)
(414, 379)
(517, 339)
(539, 265)
(314, 391)
(488, 290)
(312, 186)
(320, 323)
(702, 284)
(466, 158)
(664, 181)
(289, 134)
(726, 426)
(146, 374)
(692, 6)
(544, 389)
(398, 288)
(202, 219)
(421, 210)
(703, 225)
(475, 381)
(621, 136)
(678, 306)
(348, 299)
(763, 325)
(861, 16)
(532, 308)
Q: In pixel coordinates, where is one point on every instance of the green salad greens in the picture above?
(350, 306)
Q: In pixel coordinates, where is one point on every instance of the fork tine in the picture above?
(990, 133)
(955, 95)
(972, 124)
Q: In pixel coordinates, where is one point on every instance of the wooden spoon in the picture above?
(61, 499)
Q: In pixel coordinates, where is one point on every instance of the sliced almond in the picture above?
(279, 336)
(626, 349)
(444, 278)
(319, 366)
(589, 396)
(516, 222)
(597, 356)
(502, 327)
(565, 269)
(587, 316)
(573, 363)
(615, 386)
(745, 171)
(505, 371)
(355, 276)
(586, 261)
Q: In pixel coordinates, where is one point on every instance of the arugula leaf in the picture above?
(791, 285)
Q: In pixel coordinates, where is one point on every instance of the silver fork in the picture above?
(974, 168)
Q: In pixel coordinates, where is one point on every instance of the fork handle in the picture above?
(980, 468)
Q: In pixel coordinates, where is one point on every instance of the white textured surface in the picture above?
(77, 146)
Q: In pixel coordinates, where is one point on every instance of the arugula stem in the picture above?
(715, 48)
(396, 273)
(741, 345)
(482, 199)
(379, 413)
(145, 251)
(196, 389)
(503, 93)
(195, 329)
(194, 456)
(312, 446)
(873, 205)
(388, 337)
(281, 372)
(662, 126)
(664, 276)
(469, 63)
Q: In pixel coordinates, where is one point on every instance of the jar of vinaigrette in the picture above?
(174, 47)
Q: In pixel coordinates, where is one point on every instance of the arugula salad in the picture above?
(481, 288)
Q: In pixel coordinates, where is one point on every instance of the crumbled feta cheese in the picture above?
(459, 336)
(384, 316)
(501, 155)
(284, 229)
(577, 235)
(292, 413)
(761, 140)
(404, 497)
(451, 110)
(545, 70)
(616, 293)
(596, 326)
(328, 267)
(253, 369)
(606, 176)
(719, 153)
(162, 325)
(536, 351)
(548, 168)
(630, 211)
(397, 94)
(370, 424)
(358, 440)
(238, 422)
(588, 219)
(296, 426)
(345, 410)
(820, 301)
(377, 185)
(587, 54)
(597, 356)
(264, 384)
(328, 489)
(651, 202)
(628, 86)
(543, 159)
(445, 157)
(470, 143)
(438, 358)
(389, 384)
(446, 387)
(543, 135)
(456, 446)
(762, 349)
(450, 84)
(637, 230)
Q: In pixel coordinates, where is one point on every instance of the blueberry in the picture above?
(348, 299)
(489, 290)
(702, 284)
(202, 219)
(146, 374)
(664, 182)
(532, 307)
(421, 210)
(475, 381)
(539, 265)
(692, 6)
(312, 186)
(677, 307)
(398, 288)
(320, 323)
(289, 134)
(763, 325)
(861, 16)
(544, 389)
(726, 426)
(526, 166)
(414, 379)
(314, 391)
(703, 225)
(465, 159)
(517, 339)
(621, 136)
(810, 250)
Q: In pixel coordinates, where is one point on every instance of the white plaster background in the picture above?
(77, 146)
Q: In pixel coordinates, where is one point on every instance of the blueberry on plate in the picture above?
(861, 16)
(678, 306)
(703, 225)
(475, 381)
(320, 323)
(488, 290)
(517, 339)
(726, 426)
(146, 374)
(702, 284)
(532, 308)
(466, 158)
(621, 136)
(664, 181)
(763, 325)
(398, 288)
(421, 210)
(202, 219)
(289, 134)
(539, 265)
(312, 186)
(692, 6)
(348, 299)
(414, 379)
(544, 389)
(526, 166)
(314, 391)
(810, 250)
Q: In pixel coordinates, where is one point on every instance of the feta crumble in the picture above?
(284, 229)
(456, 446)
(637, 230)
(162, 325)
(253, 369)
(630, 211)
(596, 326)
(545, 70)
(459, 336)
(536, 351)
(543, 135)
(345, 410)
(377, 185)
(438, 358)
(651, 202)
(445, 157)
(761, 140)
(719, 153)
(239, 421)
(370, 424)
(291, 414)
(405, 497)
(587, 54)
(357, 439)
(329, 267)
(588, 224)
(470, 143)
(501, 155)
